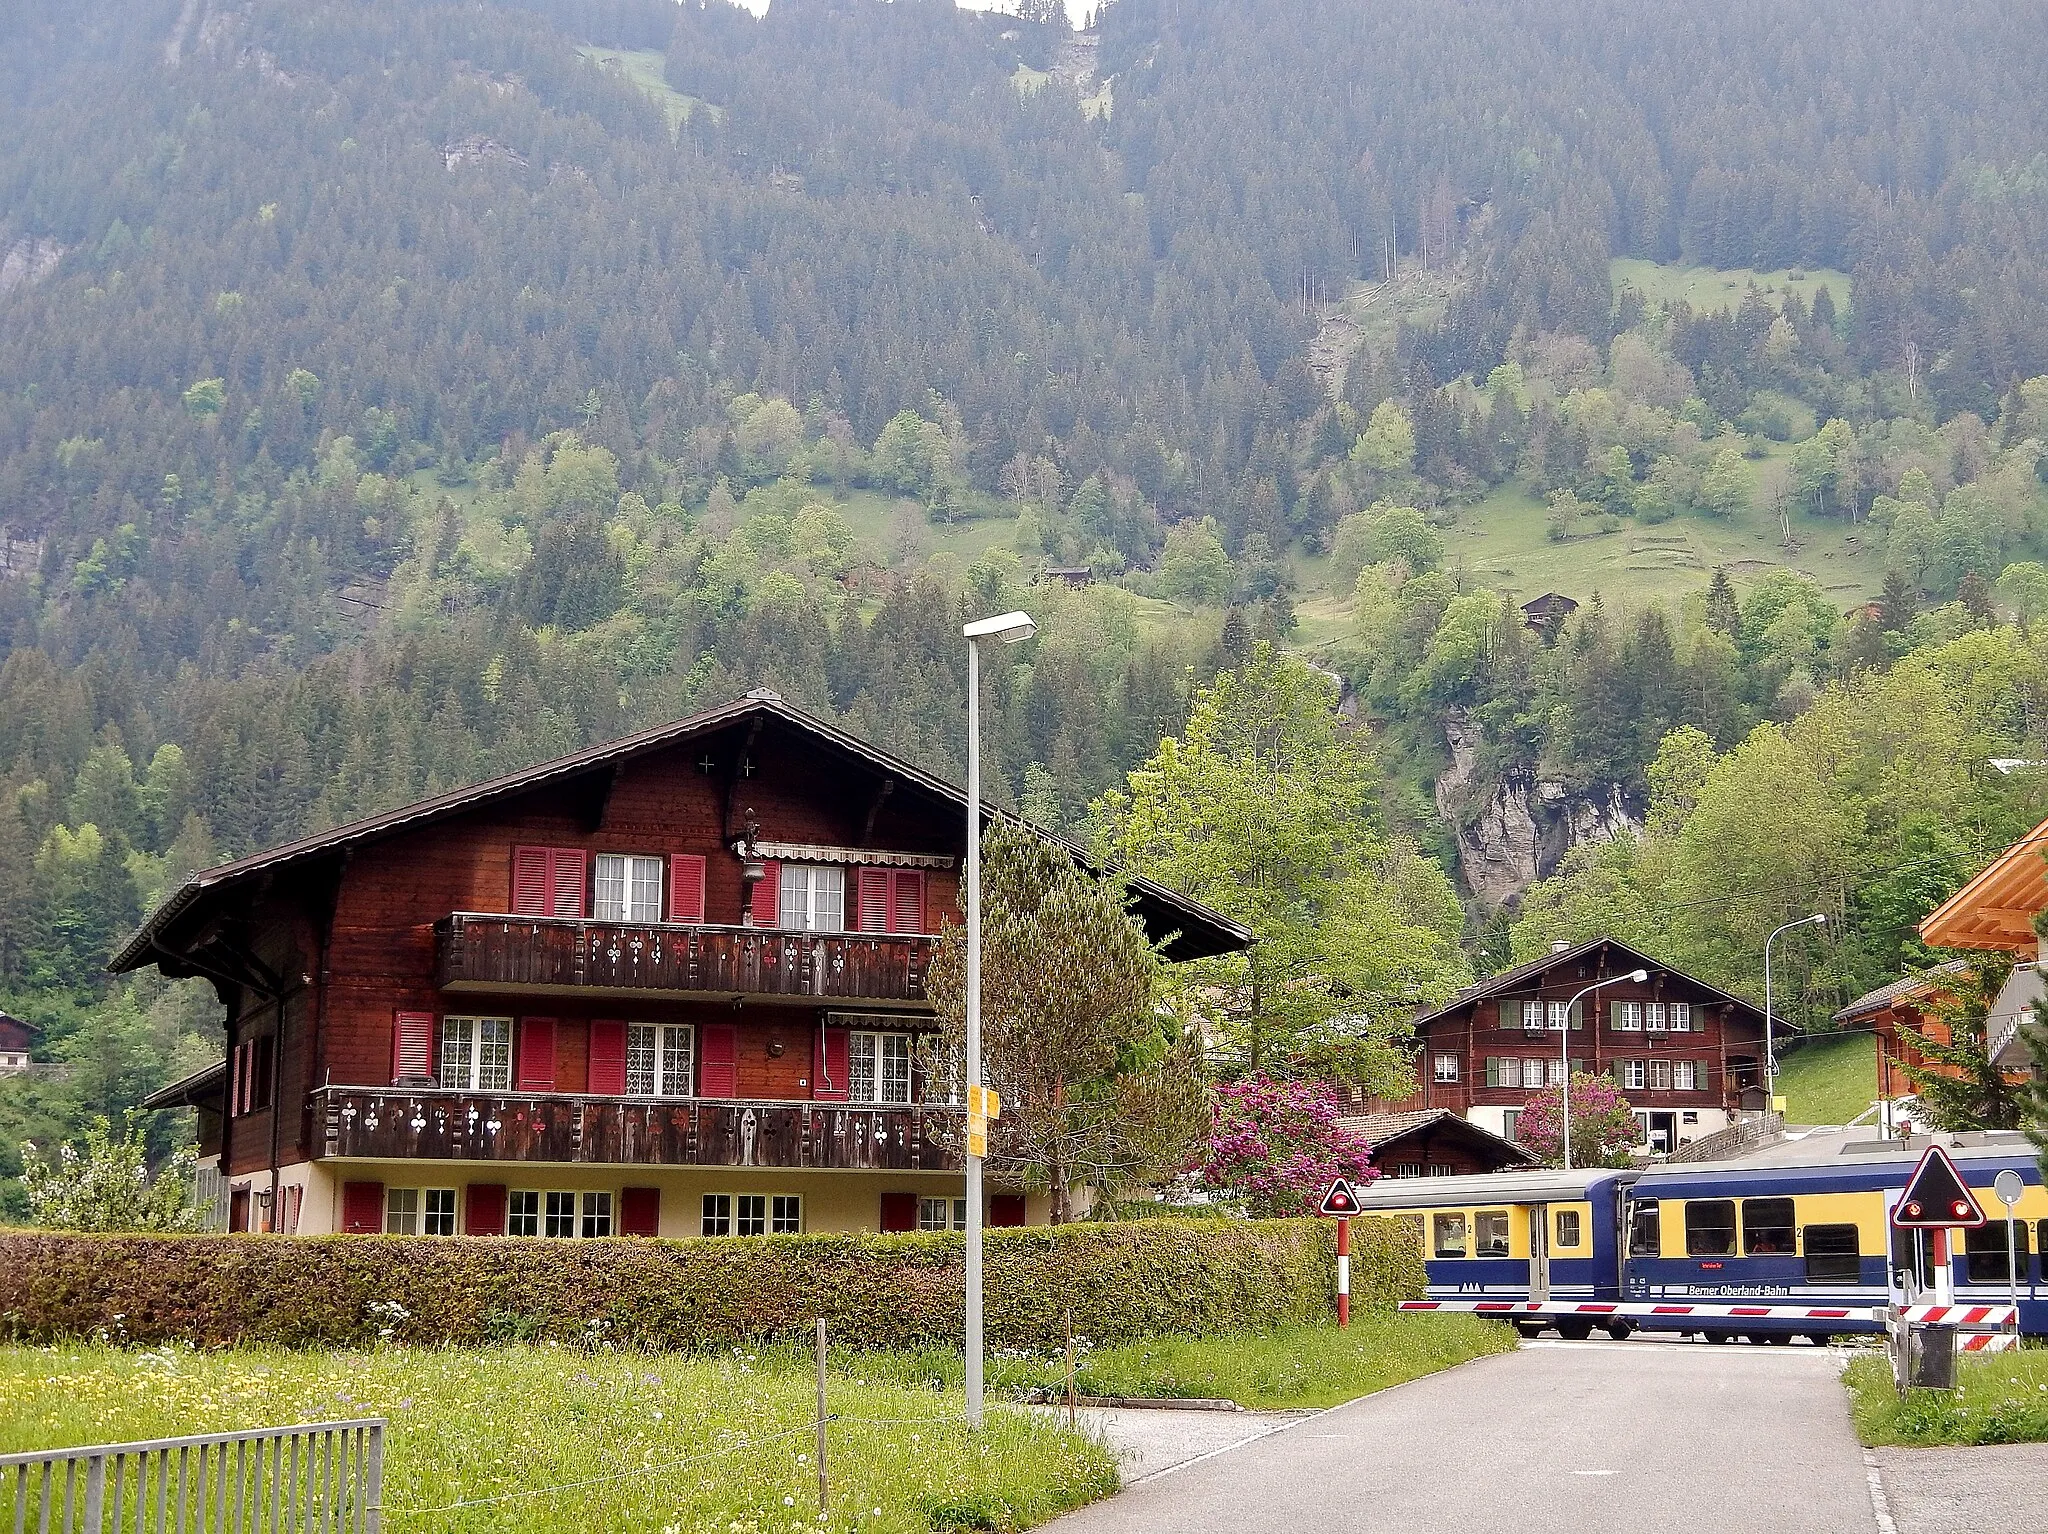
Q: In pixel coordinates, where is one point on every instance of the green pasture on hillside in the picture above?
(1708, 287)
(648, 69)
(1829, 1080)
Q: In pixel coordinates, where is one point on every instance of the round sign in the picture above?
(2009, 1185)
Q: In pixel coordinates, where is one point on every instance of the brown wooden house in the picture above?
(670, 985)
(1687, 1055)
(1434, 1142)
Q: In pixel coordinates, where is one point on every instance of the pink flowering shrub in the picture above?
(1603, 1124)
(1275, 1147)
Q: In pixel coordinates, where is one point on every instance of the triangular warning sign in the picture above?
(1936, 1196)
(1342, 1199)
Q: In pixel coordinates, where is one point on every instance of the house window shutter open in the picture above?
(530, 881)
(362, 1208)
(829, 1080)
(766, 907)
(536, 1054)
(906, 908)
(566, 879)
(608, 1059)
(412, 1048)
(686, 888)
(873, 904)
(548, 881)
(899, 1213)
(1510, 1014)
(1005, 1210)
(640, 1211)
(718, 1060)
(484, 1210)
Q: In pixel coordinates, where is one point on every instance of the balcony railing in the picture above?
(478, 952)
(571, 1128)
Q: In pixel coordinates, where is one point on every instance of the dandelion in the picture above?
(789, 1501)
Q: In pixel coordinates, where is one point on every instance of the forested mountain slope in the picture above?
(394, 393)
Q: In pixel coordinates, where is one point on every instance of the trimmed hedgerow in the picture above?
(1120, 1282)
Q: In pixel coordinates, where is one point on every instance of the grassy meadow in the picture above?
(1707, 287)
(1829, 1080)
(1999, 1399)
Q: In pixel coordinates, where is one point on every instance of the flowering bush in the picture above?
(1275, 1147)
(1603, 1124)
(105, 1184)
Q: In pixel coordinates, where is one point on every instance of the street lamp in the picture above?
(1009, 628)
(1564, 1054)
(1817, 919)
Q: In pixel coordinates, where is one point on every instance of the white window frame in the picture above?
(1559, 1019)
(1536, 1074)
(872, 1079)
(661, 1059)
(558, 1214)
(401, 1211)
(627, 887)
(1446, 1068)
(942, 1214)
(522, 1212)
(438, 1212)
(1681, 1017)
(597, 1213)
(786, 1214)
(1511, 1071)
(1685, 1075)
(1533, 1016)
(1656, 1018)
(751, 1214)
(810, 897)
(1660, 1076)
(474, 1054)
(717, 1215)
(1632, 1075)
(1626, 1017)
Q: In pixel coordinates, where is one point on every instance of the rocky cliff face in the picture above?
(1524, 824)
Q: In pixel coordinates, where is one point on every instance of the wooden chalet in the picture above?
(1996, 912)
(15, 1043)
(1434, 1142)
(1687, 1055)
(1897, 1015)
(672, 985)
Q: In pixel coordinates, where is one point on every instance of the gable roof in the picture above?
(1517, 978)
(1907, 988)
(1379, 1129)
(1996, 910)
(1199, 931)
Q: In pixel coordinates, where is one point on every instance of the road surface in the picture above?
(1580, 1438)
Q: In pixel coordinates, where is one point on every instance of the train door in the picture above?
(1909, 1265)
(1539, 1253)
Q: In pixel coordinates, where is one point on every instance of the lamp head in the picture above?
(1009, 628)
(1819, 918)
(1640, 976)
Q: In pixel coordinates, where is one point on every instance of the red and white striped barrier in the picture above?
(1988, 1342)
(1637, 1310)
(1960, 1315)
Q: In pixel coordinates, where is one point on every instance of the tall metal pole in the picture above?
(1771, 1017)
(974, 1339)
(1564, 1054)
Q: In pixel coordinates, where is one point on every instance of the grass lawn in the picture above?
(2000, 1399)
(667, 1443)
(1707, 287)
(1304, 1366)
(1829, 1080)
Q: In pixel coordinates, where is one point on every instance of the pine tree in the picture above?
(1960, 1087)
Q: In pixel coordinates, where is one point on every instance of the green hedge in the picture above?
(1122, 1281)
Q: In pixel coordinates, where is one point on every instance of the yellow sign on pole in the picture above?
(982, 1102)
(977, 1136)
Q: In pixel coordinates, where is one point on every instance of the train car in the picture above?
(1536, 1247)
(1803, 1228)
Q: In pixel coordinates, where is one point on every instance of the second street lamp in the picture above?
(1817, 919)
(1009, 628)
(1564, 1054)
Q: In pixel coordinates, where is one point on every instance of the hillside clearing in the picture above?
(1829, 1080)
(1708, 287)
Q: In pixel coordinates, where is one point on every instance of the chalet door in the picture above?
(1539, 1253)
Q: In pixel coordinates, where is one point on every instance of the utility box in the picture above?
(1930, 1356)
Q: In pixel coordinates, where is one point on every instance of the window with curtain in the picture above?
(811, 897)
(658, 1059)
(878, 1067)
(628, 888)
(476, 1054)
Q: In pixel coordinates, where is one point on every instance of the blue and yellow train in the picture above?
(1793, 1240)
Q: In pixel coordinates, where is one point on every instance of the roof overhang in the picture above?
(1996, 910)
(201, 1089)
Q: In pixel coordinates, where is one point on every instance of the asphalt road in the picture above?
(1556, 1438)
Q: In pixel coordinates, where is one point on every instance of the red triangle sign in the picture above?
(1342, 1199)
(1936, 1196)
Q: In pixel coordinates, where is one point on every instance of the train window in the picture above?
(1568, 1227)
(1834, 1254)
(1984, 1250)
(1490, 1233)
(1450, 1235)
(1913, 1253)
(1645, 1230)
(1710, 1227)
(1767, 1227)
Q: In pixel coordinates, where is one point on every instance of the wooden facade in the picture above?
(1687, 1055)
(702, 950)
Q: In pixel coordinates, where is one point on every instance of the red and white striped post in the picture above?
(1343, 1271)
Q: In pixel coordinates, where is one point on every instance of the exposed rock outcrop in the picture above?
(1515, 832)
(28, 261)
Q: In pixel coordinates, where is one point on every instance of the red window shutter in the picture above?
(412, 1047)
(1005, 1209)
(362, 1208)
(718, 1052)
(640, 1211)
(536, 1071)
(873, 907)
(530, 881)
(767, 906)
(483, 1211)
(829, 1081)
(906, 908)
(899, 1212)
(608, 1058)
(686, 887)
(568, 874)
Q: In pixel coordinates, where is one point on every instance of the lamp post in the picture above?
(1818, 919)
(1009, 628)
(1564, 1054)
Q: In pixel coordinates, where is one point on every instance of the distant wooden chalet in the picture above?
(670, 985)
(1549, 611)
(15, 1042)
(1687, 1055)
(1068, 575)
(1434, 1142)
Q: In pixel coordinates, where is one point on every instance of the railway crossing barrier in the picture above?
(1923, 1340)
(318, 1476)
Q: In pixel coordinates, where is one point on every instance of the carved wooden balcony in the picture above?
(567, 1128)
(477, 952)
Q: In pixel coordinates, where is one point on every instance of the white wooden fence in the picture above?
(316, 1478)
